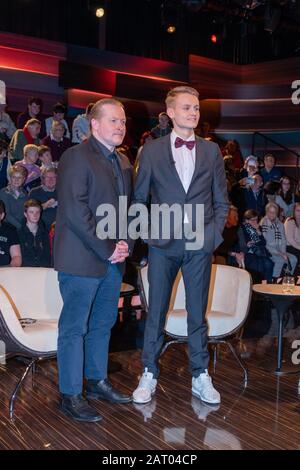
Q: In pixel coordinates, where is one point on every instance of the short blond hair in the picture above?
(178, 91)
(97, 108)
(30, 147)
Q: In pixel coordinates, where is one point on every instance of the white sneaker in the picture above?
(203, 388)
(146, 388)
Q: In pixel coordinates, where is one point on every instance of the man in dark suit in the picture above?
(89, 267)
(177, 169)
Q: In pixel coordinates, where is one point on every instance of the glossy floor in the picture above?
(266, 415)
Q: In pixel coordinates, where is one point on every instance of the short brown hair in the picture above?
(43, 149)
(177, 91)
(96, 110)
(32, 203)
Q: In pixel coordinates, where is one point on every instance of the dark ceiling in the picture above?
(246, 31)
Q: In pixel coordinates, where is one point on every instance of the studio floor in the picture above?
(265, 415)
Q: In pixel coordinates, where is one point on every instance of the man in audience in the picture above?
(163, 127)
(56, 141)
(34, 111)
(10, 251)
(270, 172)
(22, 137)
(34, 238)
(14, 195)
(81, 126)
(89, 267)
(251, 196)
(59, 111)
(46, 194)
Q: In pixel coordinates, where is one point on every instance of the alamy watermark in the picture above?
(296, 354)
(296, 94)
(158, 222)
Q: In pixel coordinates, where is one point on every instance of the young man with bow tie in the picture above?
(181, 169)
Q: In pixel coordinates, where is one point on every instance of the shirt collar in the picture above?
(103, 147)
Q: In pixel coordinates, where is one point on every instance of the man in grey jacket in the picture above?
(180, 169)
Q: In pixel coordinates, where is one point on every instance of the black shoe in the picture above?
(103, 390)
(78, 408)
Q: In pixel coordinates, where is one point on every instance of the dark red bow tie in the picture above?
(180, 142)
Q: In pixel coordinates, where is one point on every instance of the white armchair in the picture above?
(30, 305)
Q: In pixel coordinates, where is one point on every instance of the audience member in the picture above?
(81, 126)
(270, 172)
(34, 111)
(232, 148)
(29, 135)
(14, 195)
(273, 231)
(3, 165)
(10, 251)
(7, 126)
(47, 196)
(45, 158)
(59, 111)
(56, 141)
(31, 153)
(292, 232)
(251, 196)
(285, 198)
(34, 238)
(228, 250)
(163, 127)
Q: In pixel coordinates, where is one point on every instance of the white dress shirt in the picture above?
(184, 162)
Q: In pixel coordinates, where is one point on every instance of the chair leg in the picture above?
(19, 384)
(215, 348)
(232, 349)
(168, 343)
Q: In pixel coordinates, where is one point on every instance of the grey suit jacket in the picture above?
(158, 182)
(85, 180)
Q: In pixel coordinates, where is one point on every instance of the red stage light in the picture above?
(214, 38)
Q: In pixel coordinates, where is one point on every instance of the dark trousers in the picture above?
(162, 271)
(88, 314)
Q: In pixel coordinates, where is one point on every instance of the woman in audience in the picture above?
(29, 162)
(273, 231)
(232, 148)
(14, 195)
(285, 198)
(292, 232)
(253, 244)
(250, 169)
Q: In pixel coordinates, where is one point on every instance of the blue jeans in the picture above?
(89, 312)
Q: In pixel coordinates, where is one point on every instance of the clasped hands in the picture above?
(120, 254)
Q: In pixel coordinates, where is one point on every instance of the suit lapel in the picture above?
(170, 161)
(198, 159)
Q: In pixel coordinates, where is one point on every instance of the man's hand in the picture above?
(120, 254)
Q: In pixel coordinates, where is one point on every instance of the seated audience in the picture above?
(146, 137)
(292, 232)
(232, 148)
(285, 198)
(163, 127)
(14, 195)
(34, 111)
(81, 126)
(31, 154)
(251, 196)
(270, 172)
(56, 140)
(273, 231)
(249, 169)
(271, 189)
(29, 135)
(253, 244)
(7, 126)
(10, 251)
(59, 111)
(3, 165)
(46, 194)
(228, 252)
(34, 238)
(45, 158)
